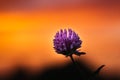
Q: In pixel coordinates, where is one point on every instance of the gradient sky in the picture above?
(26, 33)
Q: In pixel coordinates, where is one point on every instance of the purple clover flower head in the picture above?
(67, 42)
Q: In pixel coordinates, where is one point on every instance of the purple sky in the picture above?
(43, 4)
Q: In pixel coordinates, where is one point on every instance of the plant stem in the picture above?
(81, 72)
(72, 59)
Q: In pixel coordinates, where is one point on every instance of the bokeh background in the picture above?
(27, 28)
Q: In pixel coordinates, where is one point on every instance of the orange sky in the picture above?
(26, 37)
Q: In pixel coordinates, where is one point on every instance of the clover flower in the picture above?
(67, 42)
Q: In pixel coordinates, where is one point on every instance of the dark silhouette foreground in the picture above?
(68, 72)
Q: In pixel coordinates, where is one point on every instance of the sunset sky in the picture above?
(27, 28)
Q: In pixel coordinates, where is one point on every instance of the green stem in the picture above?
(72, 59)
(77, 68)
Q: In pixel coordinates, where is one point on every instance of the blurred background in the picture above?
(27, 28)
